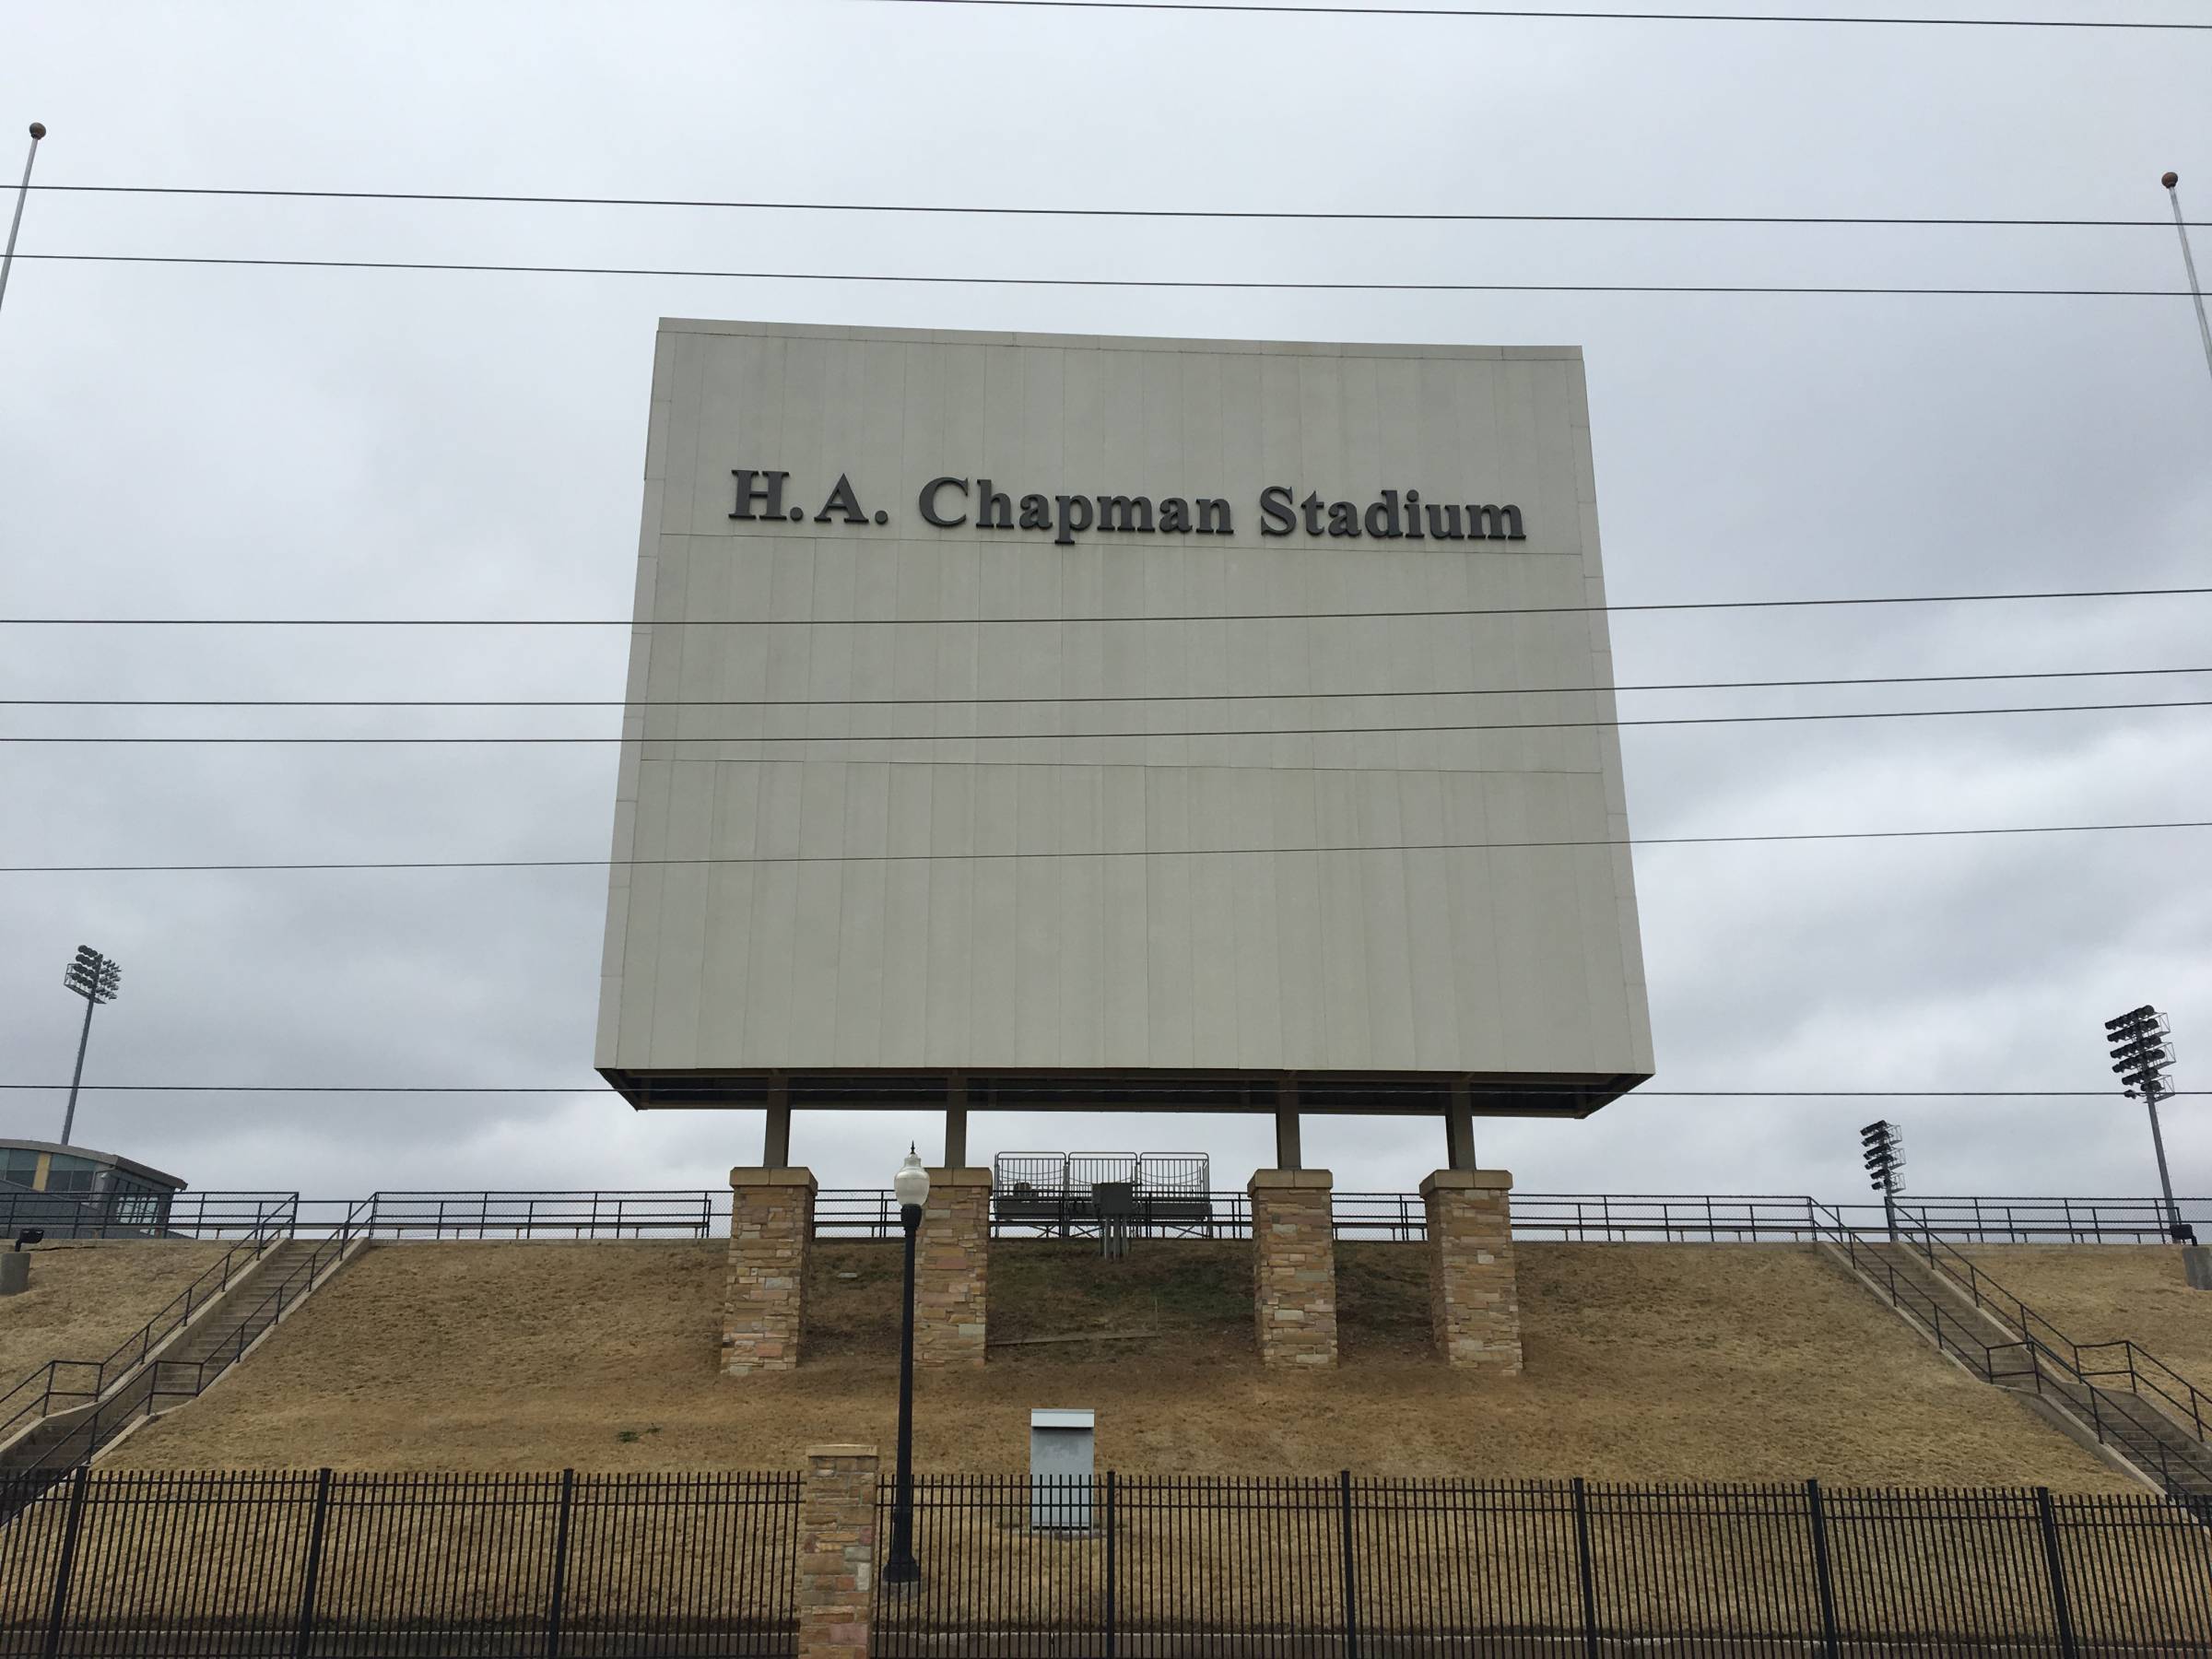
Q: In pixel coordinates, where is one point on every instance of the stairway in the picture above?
(179, 1370)
(1943, 1306)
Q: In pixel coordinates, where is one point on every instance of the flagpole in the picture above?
(37, 131)
(2196, 292)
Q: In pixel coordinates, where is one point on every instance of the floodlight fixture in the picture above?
(1881, 1146)
(29, 1236)
(2141, 1045)
(97, 979)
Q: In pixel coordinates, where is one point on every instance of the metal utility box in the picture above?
(1063, 1459)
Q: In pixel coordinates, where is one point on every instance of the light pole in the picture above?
(1883, 1145)
(911, 1185)
(2141, 1055)
(95, 978)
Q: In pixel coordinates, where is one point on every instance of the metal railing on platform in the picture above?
(872, 1212)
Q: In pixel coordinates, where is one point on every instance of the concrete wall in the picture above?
(1513, 960)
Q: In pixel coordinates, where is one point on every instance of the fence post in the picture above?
(1351, 1577)
(312, 1575)
(1584, 1567)
(1112, 1586)
(2056, 1564)
(67, 1564)
(560, 1564)
(1830, 1641)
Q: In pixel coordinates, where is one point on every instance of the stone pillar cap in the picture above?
(965, 1177)
(1498, 1179)
(755, 1175)
(841, 1452)
(1290, 1178)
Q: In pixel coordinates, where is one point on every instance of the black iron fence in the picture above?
(324, 1566)
(312, 1564)
(869, 1212)
(1329, 1568)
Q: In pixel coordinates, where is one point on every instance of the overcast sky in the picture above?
(209, 440)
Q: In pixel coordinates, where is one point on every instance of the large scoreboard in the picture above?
(1040, 721)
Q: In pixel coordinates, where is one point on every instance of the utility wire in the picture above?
(1134, 697)
(1480, 1089)
(1493, 725)
(842, 858)
(1496, 610)
(1298, 215)
(1528, 14)
(1244, 284)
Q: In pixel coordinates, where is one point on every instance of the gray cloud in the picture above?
(325, 442)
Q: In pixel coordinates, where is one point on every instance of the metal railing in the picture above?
(161, 1384)
(2042, 1362)
(127, 1215)
(1595, 1217)
(2146, 1372)
(64, 1384)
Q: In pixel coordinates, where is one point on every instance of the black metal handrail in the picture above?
(2033, 1362)
(164, 1384)
(132, 1352)
(2145, 1372)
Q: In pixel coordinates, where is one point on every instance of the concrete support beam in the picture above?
(952, 1268)
(1288, 1153)
(837, 1552)
(1474, 1300)
(772, 1228)
(956, 1123)
(1459, 1129)
(775, 1140)
(1294, 1267)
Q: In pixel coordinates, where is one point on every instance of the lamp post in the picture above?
(911, 1186)
(97, 978)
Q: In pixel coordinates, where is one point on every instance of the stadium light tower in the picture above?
(1884, 1146)
(2141, 1055)
(95, 978)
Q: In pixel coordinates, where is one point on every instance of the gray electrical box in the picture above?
(1063, 1459)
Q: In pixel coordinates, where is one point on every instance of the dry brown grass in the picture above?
(84, 1299)
(2099, 1292)
(1644, 1362)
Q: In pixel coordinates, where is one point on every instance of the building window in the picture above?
(22, 1168)
(67, 1174)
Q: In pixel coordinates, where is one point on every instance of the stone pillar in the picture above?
(771, 1227)
(1473, 1306)
(1294, 1267)
(951, 1264)
(837, 1552)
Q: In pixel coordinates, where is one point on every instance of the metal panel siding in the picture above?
(1518, 959)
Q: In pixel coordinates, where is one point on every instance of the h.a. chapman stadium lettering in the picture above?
(951, 503)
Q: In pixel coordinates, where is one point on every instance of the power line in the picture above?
(1526, 14)
(1480, 1089)
(844, 858)
(1828, 290)
(1494, 725)
(1289, 214)
(1497, 610)
(1134, 697)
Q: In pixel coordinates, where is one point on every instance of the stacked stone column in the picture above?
(1474, 1304)
(1294, 1267)
(837, 1552)
(951, 1269)
(771, 1227)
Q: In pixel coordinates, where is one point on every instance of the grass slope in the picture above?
(1644, 1362)
(84, 1299)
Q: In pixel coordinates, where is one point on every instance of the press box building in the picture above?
(1034, 722)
